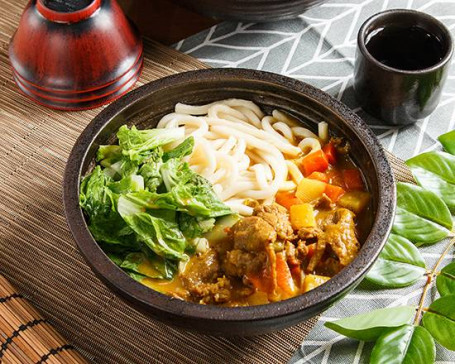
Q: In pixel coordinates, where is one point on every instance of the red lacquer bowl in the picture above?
(74, 56)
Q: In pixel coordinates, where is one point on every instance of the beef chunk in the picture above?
(318, 252)
(291, 254)
(338, 231)
(308, 233)
(302, 249)
(277, 216)
(202, 279)
(218, 292)
(239, 263)
(324, 203)
(201, 269)
(342, 237)
(252, 234)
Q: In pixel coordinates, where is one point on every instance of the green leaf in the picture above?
(99, 204)
(434, 183)
(183, 149)
(136, 276)
(149, 266)
(132, 203)
(117, 259)
(423, 203)
(400, 264)
(108, 154)
(150, 170)
(446, 280)
(369, 326)
(406, 344)
(416, 229)
(131, 183)
(192, 192)
(138, 144)
(161, 234)
(440, 321)
(439, 163)
(448, 141)
(194, 227)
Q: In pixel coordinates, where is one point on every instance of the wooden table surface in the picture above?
(164, 21)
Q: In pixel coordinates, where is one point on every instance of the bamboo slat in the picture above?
(27, 337)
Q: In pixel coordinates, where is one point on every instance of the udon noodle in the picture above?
(242, 152)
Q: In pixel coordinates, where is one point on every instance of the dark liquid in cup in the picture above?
(410, 48)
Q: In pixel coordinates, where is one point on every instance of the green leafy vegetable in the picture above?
(161, 234)
(371, 325)
(107, 155)
(448, 141)
(142, 201)
(191, 192)
(445, 282)
(182, 150)
(131, 183)
(399, 264)
(416, 229)
(150, 170)
(139, 200)
(193, 227)
(138, 144)
(136, 276)
(434, 183)
(439, 320)
(116, 165)
(99, 203)
(406, 344)
(117, 259)
(423, 203)
(152, 267)
(439, 163)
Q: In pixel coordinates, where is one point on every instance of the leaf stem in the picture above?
(433, 273)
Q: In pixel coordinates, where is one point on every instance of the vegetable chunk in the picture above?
(309, 190)
(302, 216)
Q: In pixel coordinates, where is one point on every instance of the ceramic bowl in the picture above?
(146, 105)
(250, 10)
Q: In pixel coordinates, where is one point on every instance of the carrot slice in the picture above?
(335, 177)
(334, 192)
(316, 161)
(319, 176)
(287, 199)
(330, 153)
(353, 179)
(311, 250)
(283, 275)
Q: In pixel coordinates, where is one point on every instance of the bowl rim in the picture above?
(336, 286)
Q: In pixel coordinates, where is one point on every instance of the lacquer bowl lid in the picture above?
(74, 55)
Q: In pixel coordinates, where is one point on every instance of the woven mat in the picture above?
(38, 255)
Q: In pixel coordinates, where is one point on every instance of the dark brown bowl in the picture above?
(146, 105)
(250, 10)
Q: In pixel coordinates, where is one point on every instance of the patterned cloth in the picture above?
(319, 48)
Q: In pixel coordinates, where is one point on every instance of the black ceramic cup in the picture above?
(402, 61)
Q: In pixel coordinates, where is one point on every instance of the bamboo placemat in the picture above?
(27, 337)
(38, 255)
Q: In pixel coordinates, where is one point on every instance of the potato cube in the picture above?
(312, 281)
(310, 189)
(355, 201)
(302, 216)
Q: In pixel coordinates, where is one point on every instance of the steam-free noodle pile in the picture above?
(242, 152)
